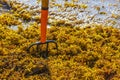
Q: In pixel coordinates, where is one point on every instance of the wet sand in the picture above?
(79, 13)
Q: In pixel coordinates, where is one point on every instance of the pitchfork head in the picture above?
(38, 44)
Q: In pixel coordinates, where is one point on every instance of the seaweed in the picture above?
(84, 53)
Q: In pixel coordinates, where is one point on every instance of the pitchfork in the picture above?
(44, 19)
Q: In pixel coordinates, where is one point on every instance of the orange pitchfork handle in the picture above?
(44, 20)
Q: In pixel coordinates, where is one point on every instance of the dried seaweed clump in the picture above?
(8, 19)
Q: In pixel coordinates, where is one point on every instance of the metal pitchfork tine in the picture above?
(44, 19)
